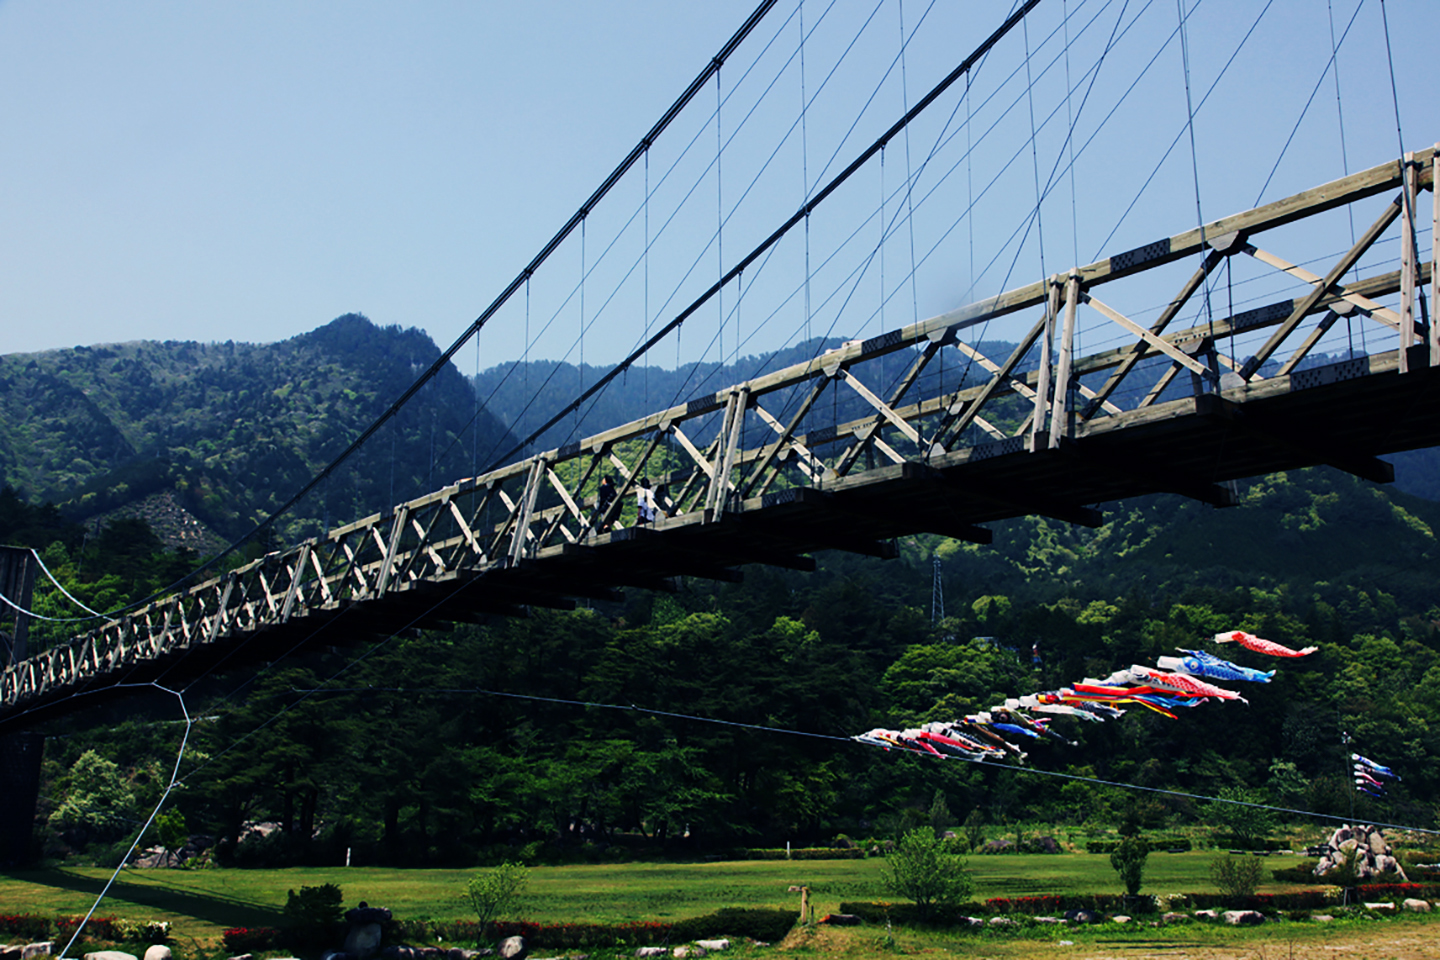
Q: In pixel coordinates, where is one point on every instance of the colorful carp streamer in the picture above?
(1368, 774)
(1251, 642)
(1174, 684)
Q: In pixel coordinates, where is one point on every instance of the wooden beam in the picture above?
(1095, 458)
(1289, 437)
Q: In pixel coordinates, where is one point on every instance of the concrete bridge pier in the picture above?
(20, 753)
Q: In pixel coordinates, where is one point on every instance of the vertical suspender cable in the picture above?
(1344, 166)
(805, 170)
(1194, 156)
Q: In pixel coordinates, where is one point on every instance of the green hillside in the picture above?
(222, 433)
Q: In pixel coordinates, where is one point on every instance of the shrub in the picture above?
(921, 870)
(1030, 905)
(24, 926)
(1156, 844)
(239, 940)
(801, 853)
(496, 893)
(312, 913)
(96, 928)
(1303, 872)
(1128, 859)
(757, 923)
(1237, 877)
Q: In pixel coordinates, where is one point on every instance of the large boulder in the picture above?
(1243, 918)
(1416, 906)
(363, 940)
(651, 952)
(157, 951)
(716, 945)
(514, 948)
(110, 955)
(1082, 916)
(41, 949)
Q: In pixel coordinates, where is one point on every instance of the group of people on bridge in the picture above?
(650, 502)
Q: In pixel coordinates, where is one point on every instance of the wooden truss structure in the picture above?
(1045, 432)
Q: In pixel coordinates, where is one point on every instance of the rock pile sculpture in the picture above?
(1373, 857)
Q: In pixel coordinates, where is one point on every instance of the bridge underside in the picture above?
(1343, 416)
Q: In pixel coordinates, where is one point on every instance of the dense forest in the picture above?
(635, 727)
(451, 747)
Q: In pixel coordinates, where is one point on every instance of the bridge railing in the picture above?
(886, 407)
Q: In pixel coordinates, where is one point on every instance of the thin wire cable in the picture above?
(1194, 155)
(1034, 150)
(174, 779)
(1200, 106)
(1394, 91)
(1329, 65)
(61, 587)
(632, 708)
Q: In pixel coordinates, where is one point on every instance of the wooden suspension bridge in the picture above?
(759, 473)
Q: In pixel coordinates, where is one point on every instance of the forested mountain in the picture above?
(211, 437)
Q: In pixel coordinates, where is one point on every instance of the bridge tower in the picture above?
(20, 753)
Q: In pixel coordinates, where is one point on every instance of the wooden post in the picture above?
(1060, 408)
(1042, 383)
(1407, 260)
(1435, 256)
(805, 913)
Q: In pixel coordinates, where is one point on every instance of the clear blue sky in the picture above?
(249, 171)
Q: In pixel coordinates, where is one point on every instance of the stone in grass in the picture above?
(1175, 918)
(157, 951)
(1243, 918)
(1049, 920)
(244, 956)
(1207, 915)
(110, 955)
(716, 945)
(1082, 916)
(1381, 907)
(1120, 918)
(687, 952)
(514, 948)
(1413, 905)
(651, 952)
(1323, 918)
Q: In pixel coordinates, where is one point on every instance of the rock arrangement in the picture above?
(1373, 857)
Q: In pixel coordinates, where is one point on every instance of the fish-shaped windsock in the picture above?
(1362, 777)
(1251, 642)
(1201, 663)
(1374, 767)
(1184, 683)
(1365, 788)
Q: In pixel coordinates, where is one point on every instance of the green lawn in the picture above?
(202, 903)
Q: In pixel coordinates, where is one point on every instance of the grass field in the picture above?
(203, 902)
